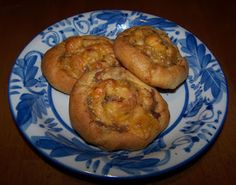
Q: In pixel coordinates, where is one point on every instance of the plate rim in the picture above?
(66, 168)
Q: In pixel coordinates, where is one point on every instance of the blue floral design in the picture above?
(206, 76)
(51, 125)
(26, 70)
(32, 105)
(131, 164)
(109, 17)
(61, 146)
(99, 23)
(142, 20)
(203, 66)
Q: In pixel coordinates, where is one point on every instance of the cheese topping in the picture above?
(155, 44)
(87, 53)
(122, 105)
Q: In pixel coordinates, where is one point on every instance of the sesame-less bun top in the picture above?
(151, 56)
(113, 109)
(63, 64)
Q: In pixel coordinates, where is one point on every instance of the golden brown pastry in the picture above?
(151, 56)
(63, 64)
(113, 109)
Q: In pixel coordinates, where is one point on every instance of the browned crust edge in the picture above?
(57, 77)
(141, 65)
(111, 140)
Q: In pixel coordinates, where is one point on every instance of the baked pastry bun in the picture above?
(63, 64)
(151, 56)
(113, 109)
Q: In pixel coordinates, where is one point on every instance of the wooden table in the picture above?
(211, 21)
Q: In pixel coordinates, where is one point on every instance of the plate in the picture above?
(198, 107)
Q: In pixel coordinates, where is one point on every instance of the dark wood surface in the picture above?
(213, 22)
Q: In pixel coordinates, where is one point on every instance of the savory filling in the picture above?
(122, 106)
(86, 54)
(155, 44)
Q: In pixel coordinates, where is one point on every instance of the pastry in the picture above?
(113, 109)
(151, 56)
(63, 64)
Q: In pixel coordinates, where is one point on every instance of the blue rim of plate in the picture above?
(200, 125)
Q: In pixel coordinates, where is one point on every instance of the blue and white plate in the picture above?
(198, 107)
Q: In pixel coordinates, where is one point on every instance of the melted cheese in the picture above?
(123, 104)
(155, 44)
(86, 54)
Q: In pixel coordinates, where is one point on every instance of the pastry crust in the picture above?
(113, 109)
(151, 56)
(63, 64)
